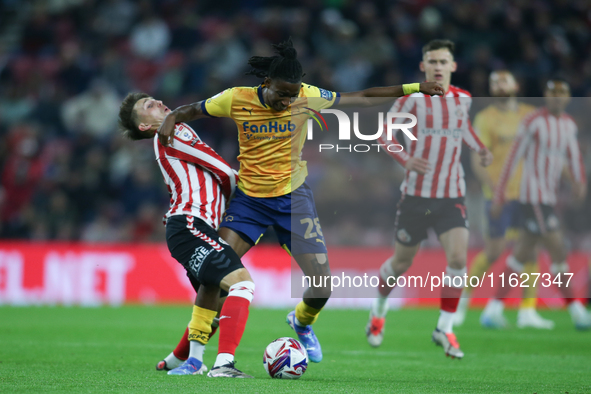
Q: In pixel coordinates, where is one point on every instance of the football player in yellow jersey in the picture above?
(497, 125)
(271, 190)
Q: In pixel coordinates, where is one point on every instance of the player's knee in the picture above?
(234, 277)
(244, 289)
(243, 275)
(457, 261)
(493, 255)
(401, 265)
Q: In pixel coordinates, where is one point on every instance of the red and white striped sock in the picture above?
(233, 320)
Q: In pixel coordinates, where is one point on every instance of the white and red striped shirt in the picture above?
(442, 125)
(198, 179)
(544, 141)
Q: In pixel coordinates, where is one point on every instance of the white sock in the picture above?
(379, 306)
(172, 361)
(576, 309)
(297, 322)
(494, 306)
(196, 350)
(445, 322)
(223, 359)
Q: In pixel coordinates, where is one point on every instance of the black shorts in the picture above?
(538, 219)
(417, 214)
(198, 247)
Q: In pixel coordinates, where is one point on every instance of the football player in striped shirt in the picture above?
(497, 126)
(272, 189)
(546, 138)
(199, 182)
(433, 192)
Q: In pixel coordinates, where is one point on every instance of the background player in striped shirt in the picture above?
(272, 189)
(199, 182)
(545, 139)
(432, 191)
(497, 126)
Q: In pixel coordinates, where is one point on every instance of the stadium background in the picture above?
(67, 175)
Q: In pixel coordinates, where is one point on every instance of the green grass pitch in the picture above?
(95, 350)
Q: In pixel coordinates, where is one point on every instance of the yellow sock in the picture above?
(306, 314)
(479, 266)
(530, 293)
(200, 324)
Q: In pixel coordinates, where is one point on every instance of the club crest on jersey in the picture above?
(531, 225)
(403, 236)
(552, 222)
(184, 135)
(459, 113)
(216, 96)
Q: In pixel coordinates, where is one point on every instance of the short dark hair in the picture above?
(128, 120)
(439, 44)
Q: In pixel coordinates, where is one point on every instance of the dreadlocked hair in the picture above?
(284, 65)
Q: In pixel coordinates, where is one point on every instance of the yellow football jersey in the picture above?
(497, 130)
(270, 142)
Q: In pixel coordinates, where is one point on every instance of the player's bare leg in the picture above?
(235, 241)
(392, 268)
(554, 243)
(314, 265)
(526, 250)
(492, 315)
(493, 248)
(455, 245)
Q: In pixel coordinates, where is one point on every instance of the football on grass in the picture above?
(285, 358)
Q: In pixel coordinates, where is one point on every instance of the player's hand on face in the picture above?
(432, 89)
(495, 210)
(418, 164)
(486, 157)
(166, 130)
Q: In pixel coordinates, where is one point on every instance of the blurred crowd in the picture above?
(67, 174)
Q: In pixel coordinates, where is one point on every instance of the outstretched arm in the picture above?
(429, 88)
(184, 113)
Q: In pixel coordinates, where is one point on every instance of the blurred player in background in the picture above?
(272, 189)
(545, 139)
(199, 182)
(497, 126)
(432, 191)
